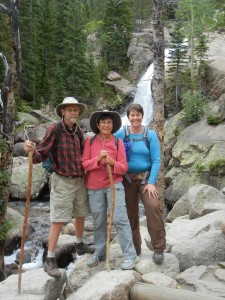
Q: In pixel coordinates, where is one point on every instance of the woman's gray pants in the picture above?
(100, 204)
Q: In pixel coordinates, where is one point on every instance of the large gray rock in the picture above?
(198, 147)
(35, 285)
(205, 279)
(204, 249)
(139, 53)
(201, 194)
(194, 202)
(113, 285)
(183, 229)
(191, 152)
(19, 179)
(122, 86)
(158, 278)
(169, 267)
(13, 238)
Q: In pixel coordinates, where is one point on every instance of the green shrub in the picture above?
(93, 26)
(193, 106)
(4, 229)
(217, 168)
(199, 169)
(176, 131)
(212, 120)
(23, 106)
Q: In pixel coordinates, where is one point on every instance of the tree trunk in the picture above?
(158, 85)
(8, 132)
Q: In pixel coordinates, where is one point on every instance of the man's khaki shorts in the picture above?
(68, 198)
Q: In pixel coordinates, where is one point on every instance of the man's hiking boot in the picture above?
(50, 266)
(158, 258)
(82, 248)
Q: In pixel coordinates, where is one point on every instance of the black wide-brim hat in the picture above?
(117, 122)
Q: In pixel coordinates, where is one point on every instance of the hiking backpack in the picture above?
(128, 141)
(47, 164)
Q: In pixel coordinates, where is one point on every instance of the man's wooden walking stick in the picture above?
(25, 217)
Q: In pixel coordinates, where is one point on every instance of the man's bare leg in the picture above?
(80, 247)
(50, 265)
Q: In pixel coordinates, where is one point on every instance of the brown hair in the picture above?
(104, 117)
(135, 106)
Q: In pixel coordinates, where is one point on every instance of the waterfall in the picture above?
(143, 95)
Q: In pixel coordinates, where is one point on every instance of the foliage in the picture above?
(199, 169)
(4, 175)
(213, 120)
(220, 17)
(5, 225)
(142, 10)
(5, 43)
(197, 17)
(23, 106)
(200, 55)
(178, 61)
(93, 26)
(4, 228)
(176, 131)
(194, 107)
(217, 167)
(55, 61)
(116, 32)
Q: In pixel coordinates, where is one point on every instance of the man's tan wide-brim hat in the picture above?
(117, 122)
(69, 101)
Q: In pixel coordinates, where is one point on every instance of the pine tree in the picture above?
(39, 48)
(178, 60)
(197, 17)
(117, 27)
(200, 53)
(72, 48)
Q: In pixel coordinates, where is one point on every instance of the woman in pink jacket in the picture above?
(100, 150)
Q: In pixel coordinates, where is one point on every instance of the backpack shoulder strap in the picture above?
(92, 139)
(117, 142)
(58, 132)
(127, 132)
(145, 136)
(80, 135)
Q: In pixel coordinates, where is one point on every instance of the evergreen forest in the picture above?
(57, 60)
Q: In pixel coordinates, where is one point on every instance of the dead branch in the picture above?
(6, 65)
(3, 7)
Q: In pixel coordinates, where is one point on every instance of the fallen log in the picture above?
(143, 291)
(41, 115)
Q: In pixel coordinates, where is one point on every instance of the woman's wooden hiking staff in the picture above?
(109, 229)
(30, 155)
(110, 216)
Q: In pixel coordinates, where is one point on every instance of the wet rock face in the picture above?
(139, 53)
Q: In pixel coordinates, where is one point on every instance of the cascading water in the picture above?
(143, 96)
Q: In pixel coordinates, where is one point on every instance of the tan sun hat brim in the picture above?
(69, 101)
(117, 122)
